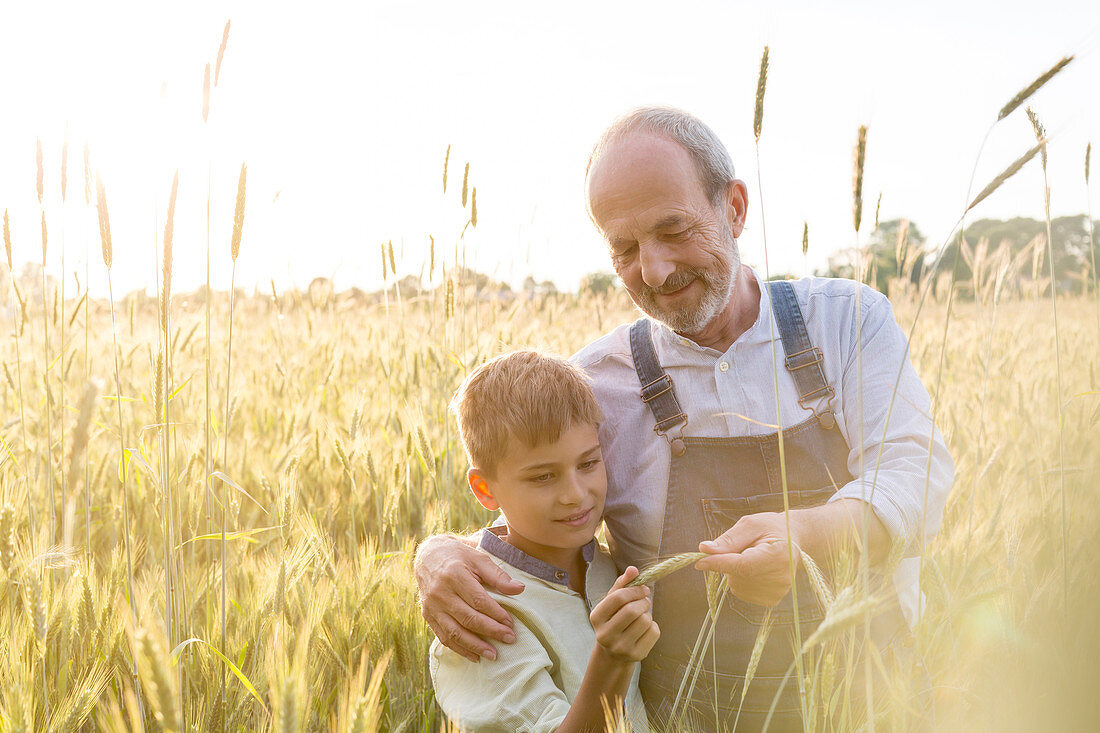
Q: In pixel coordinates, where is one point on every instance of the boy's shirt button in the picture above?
(560, 575)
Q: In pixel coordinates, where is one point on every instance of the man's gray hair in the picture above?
(712, 160)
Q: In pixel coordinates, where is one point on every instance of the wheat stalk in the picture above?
(754, 661)
(106, 248)
(234, 250)
(206, 94)
(1041, 137)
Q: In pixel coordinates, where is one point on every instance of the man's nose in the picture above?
(656, 264)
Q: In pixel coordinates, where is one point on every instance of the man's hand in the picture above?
(753, 552)
(625, 629)
(753, 556)
(450, 575)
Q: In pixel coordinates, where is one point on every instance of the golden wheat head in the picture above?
(221, 53)
(65, 165)
(41, 172)
(1013, 168)
(87, 176)
(666, 567)
(166, 263)
(7, 238)
(860, 155)
(761, 84)
(1040, 135)
(44, 238)
(104, 223)
(1031, 88)
(446, 163)
(238, 215)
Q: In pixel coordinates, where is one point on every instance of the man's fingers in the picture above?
(729, 563)
(461, 641)
(494, 577)
(735, 539)
(479, 614)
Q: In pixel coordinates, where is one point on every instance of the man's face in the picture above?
(675, 253)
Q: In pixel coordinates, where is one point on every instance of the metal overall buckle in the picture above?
(677, 443)
(825, 417)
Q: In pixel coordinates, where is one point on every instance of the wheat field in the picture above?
(340, 457)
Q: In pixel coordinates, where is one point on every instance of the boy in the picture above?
(529, 425)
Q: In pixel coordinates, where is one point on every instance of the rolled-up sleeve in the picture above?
(899, 459)
(514, 694)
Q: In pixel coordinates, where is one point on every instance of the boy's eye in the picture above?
(542, 478)
(589, 465)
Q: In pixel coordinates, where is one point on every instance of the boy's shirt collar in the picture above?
(492, 543)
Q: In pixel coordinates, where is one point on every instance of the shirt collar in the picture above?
(492, 543)
(760, 331)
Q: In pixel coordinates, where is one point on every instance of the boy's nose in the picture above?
(574, 490)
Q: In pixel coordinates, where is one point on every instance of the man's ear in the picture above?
(736, 206)
(480, 486)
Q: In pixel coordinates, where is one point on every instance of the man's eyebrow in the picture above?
(669, 221)
(665, 222)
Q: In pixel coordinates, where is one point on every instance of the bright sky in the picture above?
(343, 112)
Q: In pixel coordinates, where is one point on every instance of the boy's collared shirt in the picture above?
(533, 681)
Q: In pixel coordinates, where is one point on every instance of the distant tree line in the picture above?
(1014, 251)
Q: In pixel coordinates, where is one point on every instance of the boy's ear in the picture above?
(480, 486)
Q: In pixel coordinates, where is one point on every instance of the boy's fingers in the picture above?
(628, 575)
(626, 615)
(638, 627)
(615, 600)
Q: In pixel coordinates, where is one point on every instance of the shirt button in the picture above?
(560, 575)
(724, 366)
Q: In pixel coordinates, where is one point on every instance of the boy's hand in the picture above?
(449, 576)
(625, 630)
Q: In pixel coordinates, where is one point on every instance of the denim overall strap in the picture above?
(657, 390)
(803, 358)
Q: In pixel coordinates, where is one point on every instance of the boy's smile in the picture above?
(552, 495)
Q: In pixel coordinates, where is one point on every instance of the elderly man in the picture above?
(693, 397)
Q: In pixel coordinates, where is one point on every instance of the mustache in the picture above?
(680, 279)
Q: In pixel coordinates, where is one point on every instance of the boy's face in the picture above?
(552, 495)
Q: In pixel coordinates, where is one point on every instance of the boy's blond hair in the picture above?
(531, 396)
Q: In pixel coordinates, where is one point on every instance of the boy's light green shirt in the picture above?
(532, 683)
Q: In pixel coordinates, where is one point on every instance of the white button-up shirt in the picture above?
(733, 394)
